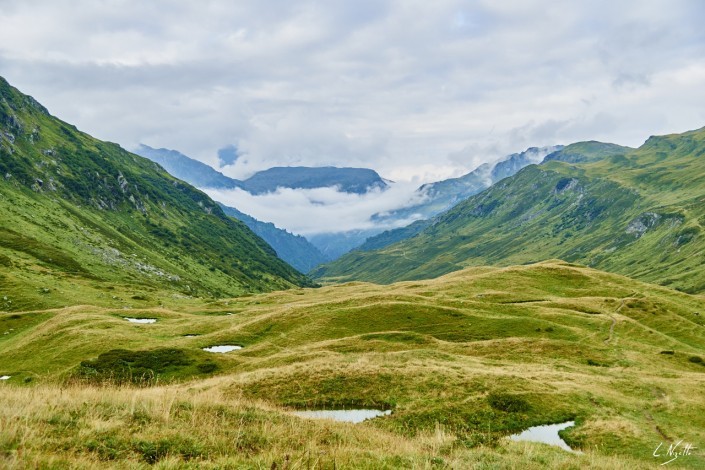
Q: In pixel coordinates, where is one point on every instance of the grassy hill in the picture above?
(638, 213)
(462, 361)
(83, 215)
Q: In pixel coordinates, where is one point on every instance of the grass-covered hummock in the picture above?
(463, 361)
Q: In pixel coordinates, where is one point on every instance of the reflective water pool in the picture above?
(348, 416)
(222, 349)
(547, 434)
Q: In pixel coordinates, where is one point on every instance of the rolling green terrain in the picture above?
(94, 239)
(76, 210)
(638, 213)
(462, 361)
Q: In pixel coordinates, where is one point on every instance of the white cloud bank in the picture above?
(321, 210)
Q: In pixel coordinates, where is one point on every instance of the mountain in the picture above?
(186, 168)
(294, 249)
(442, 195)
(350, 180)
(637, 212)
(82, 214)
(304, 254)
(583, 152)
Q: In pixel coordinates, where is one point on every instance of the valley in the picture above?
(637, 212)
(143, 325)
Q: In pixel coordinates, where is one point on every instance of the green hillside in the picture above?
(294, 249)
(462, 361)
(582, 152)
(81, 215)
(638, 213)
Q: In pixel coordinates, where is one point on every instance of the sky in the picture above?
(417, 90)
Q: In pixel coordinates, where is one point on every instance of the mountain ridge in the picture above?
(294, 249)
(637, 213)
(89, 211)
(345, 179)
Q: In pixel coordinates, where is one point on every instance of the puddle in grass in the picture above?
(222, 349)
(348, 416)
(190, 336)
(4, 377)
(547, 434)
(141, 320)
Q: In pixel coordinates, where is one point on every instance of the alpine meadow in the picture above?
(405, 236)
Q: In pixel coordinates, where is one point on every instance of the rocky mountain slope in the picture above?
(79, 211)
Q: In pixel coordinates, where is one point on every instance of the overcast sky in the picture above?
(424, 89)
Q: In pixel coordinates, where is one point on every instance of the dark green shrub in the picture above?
(207, 367)
(507, 402)
(140, 367)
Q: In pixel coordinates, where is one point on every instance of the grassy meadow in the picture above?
(462, 361)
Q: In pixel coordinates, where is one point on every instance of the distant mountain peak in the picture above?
(349, 180)
(584, 152)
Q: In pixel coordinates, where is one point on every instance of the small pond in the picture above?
(4, 377)
(190, 336)
(222, 349)
(547, 434)
(348, 416)
(141, 320)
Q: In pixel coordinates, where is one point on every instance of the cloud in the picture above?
(322, 210)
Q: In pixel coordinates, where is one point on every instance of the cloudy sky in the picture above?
(418, 90)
